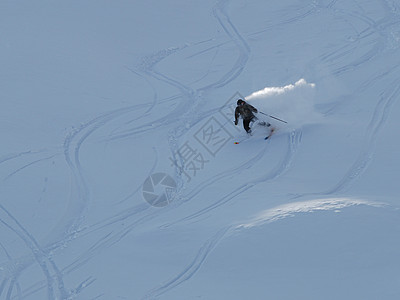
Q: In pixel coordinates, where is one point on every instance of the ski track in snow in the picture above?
(388, 97)
(73, 217)
(39, 255)
(242, 46)
(190, 269)
(300, 12)
(15, 267)
(380, 115)
(28, 165)
(375, 36)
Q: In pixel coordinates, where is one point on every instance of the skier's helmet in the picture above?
(240, 102)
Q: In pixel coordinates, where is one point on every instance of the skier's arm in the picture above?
(253, 108)
(236, 115)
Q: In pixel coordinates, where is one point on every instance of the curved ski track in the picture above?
(388, 97)
(190, 269)
(379, 118)
(70, 223)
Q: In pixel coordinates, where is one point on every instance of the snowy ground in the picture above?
(104, 100)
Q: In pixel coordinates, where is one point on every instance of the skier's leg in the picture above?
(246, 125)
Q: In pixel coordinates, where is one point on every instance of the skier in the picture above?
(245, 111)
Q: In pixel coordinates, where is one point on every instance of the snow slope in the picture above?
(119, 175)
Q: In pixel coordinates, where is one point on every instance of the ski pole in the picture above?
(272, 117)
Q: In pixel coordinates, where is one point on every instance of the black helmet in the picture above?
(239, 102)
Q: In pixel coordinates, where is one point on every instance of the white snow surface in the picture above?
(120, 178)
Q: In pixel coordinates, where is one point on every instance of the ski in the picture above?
(271, 133)
(247, 138)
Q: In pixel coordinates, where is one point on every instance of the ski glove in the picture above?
(236, 122)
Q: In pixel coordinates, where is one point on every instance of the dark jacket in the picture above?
(245, 111)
